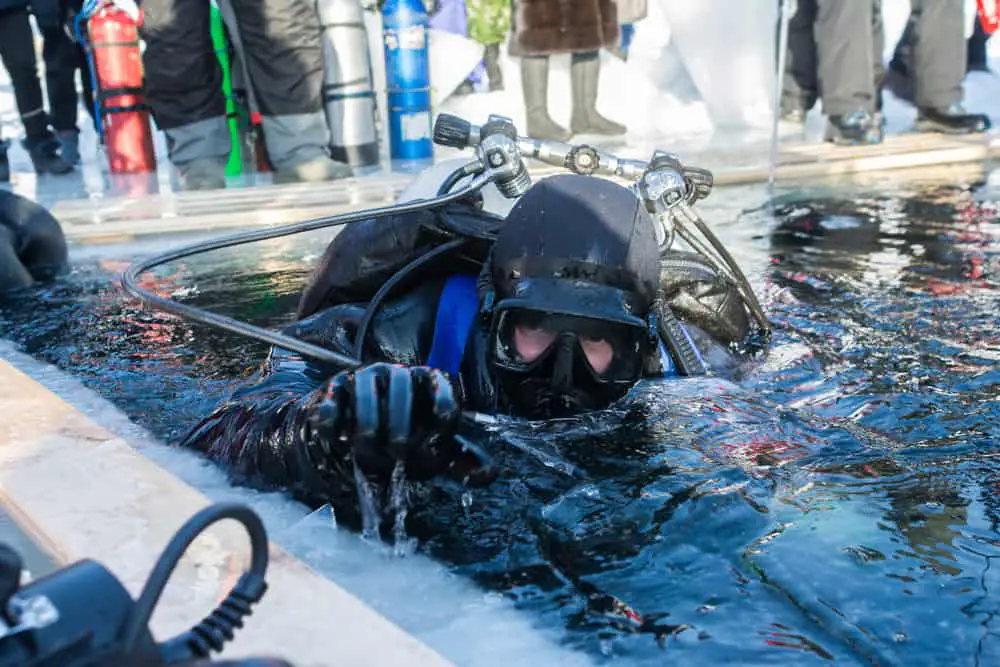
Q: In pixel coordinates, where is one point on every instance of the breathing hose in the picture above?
(218, 627)
(130, 278)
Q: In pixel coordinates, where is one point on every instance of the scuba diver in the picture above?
(32, 244)
(570, 307)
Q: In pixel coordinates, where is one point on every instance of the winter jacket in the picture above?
(545, 27)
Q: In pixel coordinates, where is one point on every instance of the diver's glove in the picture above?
(389, 413)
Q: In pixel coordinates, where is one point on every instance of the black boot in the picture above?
(951, 120)
(45, 156)
(853, 129)
(4, 164)
(465, 88)
(69, 141)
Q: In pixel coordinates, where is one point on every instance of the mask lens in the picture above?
(525, 340)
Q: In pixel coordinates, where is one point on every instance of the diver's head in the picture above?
(575, 271)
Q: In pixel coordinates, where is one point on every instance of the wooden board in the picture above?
(128, 217)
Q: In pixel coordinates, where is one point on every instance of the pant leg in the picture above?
(844, 45)
(902, 55)
(282, 47)
(87, 83)
(61, 64)
(17, 51)
(183, 80)
(976, 59)
(799, 82)
(878, 50)
(938, 52)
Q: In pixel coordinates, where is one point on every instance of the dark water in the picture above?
(840, 503)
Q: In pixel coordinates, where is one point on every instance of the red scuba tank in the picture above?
(989, 15)
(114, 40)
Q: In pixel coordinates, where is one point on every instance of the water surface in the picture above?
(839, 502)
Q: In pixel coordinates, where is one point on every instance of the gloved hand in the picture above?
(390, 413)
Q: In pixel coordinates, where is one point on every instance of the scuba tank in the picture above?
(989, 15)
(407, 74)
(348, 92)
(117, 68)
(234, 114)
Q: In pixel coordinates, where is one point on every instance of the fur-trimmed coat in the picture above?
(545, 27)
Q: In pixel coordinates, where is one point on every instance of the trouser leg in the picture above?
(938, 52)
(284, 57)
(61, 63)
(843, 32)
(184, 83)
(878, 49)
(799, 81)
(17, 51)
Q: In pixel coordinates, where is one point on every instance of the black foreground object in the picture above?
(82, 616)
(32, 245)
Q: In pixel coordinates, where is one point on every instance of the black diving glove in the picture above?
(389, 413)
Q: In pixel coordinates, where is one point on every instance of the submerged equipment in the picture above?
(667, 189)
(82, 616)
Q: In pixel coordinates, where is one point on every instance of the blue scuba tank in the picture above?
(407, 76)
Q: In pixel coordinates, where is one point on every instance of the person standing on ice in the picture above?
(63, 59)
(183, 87)
(489, 25)
(17, 51)
(558, 317)
(929, 64)
(831, 56)
(547, 27)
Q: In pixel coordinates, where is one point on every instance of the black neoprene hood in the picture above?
(579, 228)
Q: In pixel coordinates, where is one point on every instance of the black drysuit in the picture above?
(264, 433)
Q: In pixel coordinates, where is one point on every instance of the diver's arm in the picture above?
(302, 425)
(262, 433)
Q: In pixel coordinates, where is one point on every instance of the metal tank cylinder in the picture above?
(348, 92)
(407, 74)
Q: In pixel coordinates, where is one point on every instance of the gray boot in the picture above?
(585, 69)
(313, 171)
(491, 60)
(199, 152)
(535, 81)
(203, 174)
